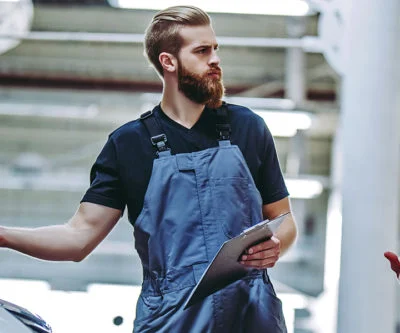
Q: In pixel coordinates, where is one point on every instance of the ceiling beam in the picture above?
(307, 43)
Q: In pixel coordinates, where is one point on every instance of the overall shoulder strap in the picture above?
(223, 126)
(157, 135)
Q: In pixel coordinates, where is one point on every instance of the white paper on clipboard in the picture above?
(225, 268)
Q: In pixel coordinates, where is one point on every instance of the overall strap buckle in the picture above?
(222, 126)
(146, 114)
(224, 131)
(157, 137)
(160, 142)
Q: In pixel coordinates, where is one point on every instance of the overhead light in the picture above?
(257, 103)
(285, 123)
(266, 7)
(304, 188)
(48, 110)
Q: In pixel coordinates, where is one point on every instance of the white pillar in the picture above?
(295, 63)
(371, 127)
(324, 307)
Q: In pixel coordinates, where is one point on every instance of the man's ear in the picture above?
(168, 62)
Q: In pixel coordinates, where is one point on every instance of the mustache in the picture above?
(215, 70)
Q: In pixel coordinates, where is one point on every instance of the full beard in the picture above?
(201, 89)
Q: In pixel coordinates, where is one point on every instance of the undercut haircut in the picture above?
(162, 34)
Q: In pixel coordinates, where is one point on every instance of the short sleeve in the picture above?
(105, 184)
(271, 182)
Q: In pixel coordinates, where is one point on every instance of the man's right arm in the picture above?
(72, 241)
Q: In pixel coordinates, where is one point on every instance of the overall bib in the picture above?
(195, 202)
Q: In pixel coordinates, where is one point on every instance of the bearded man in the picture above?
(193, 173)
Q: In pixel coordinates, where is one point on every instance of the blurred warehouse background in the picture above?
(72, 71)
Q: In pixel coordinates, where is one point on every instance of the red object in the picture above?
(394, 262)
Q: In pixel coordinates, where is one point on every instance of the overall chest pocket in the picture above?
(230, 200)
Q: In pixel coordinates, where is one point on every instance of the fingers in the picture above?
(263, 255)
(394, 262)
(264, 259)
(270, 244)
(392, 257)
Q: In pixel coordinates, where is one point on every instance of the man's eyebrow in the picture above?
(206, 45)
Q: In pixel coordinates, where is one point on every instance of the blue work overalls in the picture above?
(194, 203)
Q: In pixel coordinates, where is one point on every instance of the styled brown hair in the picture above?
(162, 34)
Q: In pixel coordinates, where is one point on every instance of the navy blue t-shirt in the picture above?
(121, 173)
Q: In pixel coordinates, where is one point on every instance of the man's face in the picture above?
(199, 74)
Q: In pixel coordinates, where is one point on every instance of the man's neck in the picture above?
(180, 109)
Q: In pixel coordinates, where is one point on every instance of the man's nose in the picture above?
(214, 59)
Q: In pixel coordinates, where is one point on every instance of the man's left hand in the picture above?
(263, 255)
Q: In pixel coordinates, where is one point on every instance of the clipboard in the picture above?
(225, 268)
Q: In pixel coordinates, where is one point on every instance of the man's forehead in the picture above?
(198, 35)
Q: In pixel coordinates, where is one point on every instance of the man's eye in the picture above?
(202, 51)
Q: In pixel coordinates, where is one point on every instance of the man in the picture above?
(187, 190)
